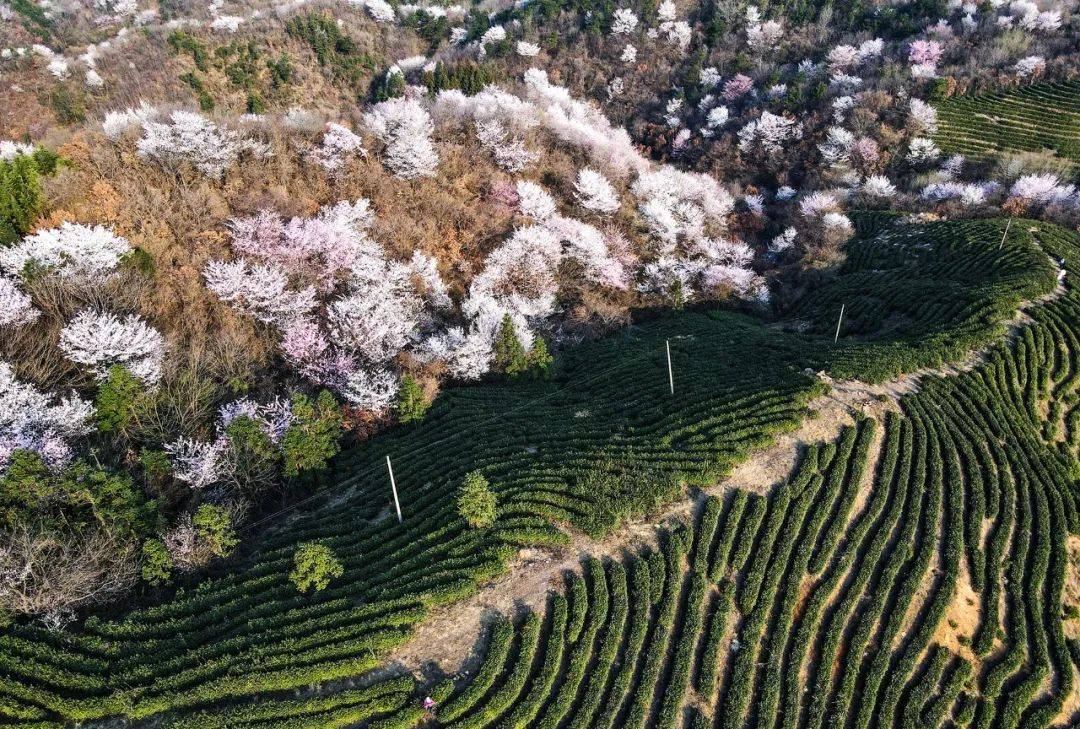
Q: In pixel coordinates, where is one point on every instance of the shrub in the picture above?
(312, 439)
(182, 42)
(316, 566)
(476, 503)
(254, 458)
(118, 401)
(411, 403)
(214, 527)
(157, 563)
(68, 105)
(80, 495)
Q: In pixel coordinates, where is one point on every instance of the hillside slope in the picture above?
(602, 440)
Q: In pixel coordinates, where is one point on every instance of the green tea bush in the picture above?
(316, 567)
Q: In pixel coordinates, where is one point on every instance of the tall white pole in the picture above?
(1002, 243)
(836, 337)
(393, 487)
(670, 374)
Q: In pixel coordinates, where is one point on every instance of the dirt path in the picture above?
(448, 637)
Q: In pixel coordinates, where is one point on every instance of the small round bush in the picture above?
(157, 563)
(214, 525)
(316, 566)
(476, 502)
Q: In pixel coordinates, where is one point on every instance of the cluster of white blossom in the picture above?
(1030, 66)
(404, 127)
(922, 151)
(102, 340)
(678, 33)
(371, 389)
(9, 150)
(16, 309)
(966, 193)
(112, 11)
(582, 125)
(686, 213)
(715, 118)
(260, 290)
(190, 138)
(380, 10)
(338, 143)
(383, 310)
(841, 105)
(56, 64)
(494, 34)
(573, 122)
(1043, 189)
(196, 463)
(784, 241)
(837, 147)
(527, 50)
(923, 116)
(822, 209)
(761, 35)
(117, 123)
(878, 186)
(594, 192)
(768, 133)
(676, 204)
(624, 21)
(32, 420)
(509, 151)
(844, 57)
(520, 280)
(68, 251)
(1027, 15)
(534, 201)
(273, 418)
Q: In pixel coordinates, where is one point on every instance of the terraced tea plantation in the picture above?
(820, 603)
(1034, 118)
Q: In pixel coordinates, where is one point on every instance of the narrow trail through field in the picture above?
(448, 637)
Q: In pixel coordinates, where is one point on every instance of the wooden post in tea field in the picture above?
(670, 374)
(1002, 243)
(393, 487)
(836, 337)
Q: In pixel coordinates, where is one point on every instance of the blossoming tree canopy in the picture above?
(70, 250)
(102, 339)
(32, 420)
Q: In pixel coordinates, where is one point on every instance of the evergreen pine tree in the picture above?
(510, 356)
(540, 359)
(20, 197)
(678, 297)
